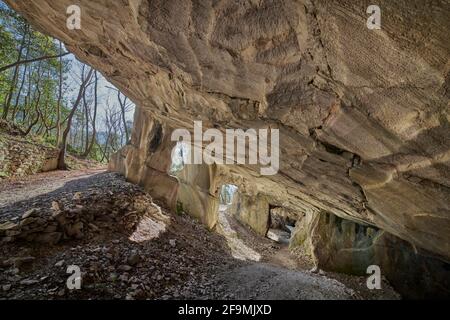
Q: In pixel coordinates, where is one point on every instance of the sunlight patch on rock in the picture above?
(147, 229)
(238, 248)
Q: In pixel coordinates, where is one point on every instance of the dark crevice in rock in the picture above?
(156, 137)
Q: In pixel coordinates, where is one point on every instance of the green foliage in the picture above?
(20, 41)
(7, 47)
(179, 209)
(6, 57)
(96, 154)
(29, 92)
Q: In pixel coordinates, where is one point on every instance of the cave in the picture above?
(281, 225)
(362, 115)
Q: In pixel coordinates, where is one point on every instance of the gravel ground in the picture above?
(18, 194)
(138, 250)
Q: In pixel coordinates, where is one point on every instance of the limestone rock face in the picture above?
(363, 114)
(254, 211)
(340, 245)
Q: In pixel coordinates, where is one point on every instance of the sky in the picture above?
(104, 93)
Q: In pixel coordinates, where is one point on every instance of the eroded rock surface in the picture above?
(363, 114)
(344, 246)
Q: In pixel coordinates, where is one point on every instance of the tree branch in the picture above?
(12, 65)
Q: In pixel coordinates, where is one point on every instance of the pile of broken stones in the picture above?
(61, 222)
(92, 230)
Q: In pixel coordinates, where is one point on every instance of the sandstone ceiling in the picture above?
(363, 114)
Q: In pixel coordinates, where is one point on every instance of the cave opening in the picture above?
(229, 227)
(178, 158)
(281, 225)
(227, 194)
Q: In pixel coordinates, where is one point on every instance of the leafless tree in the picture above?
(60, 96)
(63, 145)
(16, 66)
(125, 106)
(92, 118)
(20, 62)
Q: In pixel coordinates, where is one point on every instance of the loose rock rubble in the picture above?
(127, 247)
(92, 229)
(363, 115)
(22, 155)
(74, 216)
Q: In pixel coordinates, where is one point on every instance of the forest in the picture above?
(50, 95)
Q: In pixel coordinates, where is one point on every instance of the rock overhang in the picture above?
(363, 114)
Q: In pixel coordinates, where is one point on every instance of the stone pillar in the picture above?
(254, 212)
(146, 159)
(196, 193)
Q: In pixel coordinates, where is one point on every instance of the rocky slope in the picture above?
(23, 155)
(127, 247)
(363, 114)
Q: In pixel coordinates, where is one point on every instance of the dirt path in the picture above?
(274, 272)
(263, 281)
(129, 248)
(19, 189)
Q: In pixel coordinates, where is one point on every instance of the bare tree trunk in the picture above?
(16, 104)
(38, 101)
(102, 151)
(122, 109)
(63, 145)
(110, 123)
(30, 127)
(44, 115)
(36, 120)
(108, 135)
(86, 123)
(82, 129)
(94, 131)
(28, 96)
(22, 82)
(15, 75)
(58, 104)
(20, 62)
